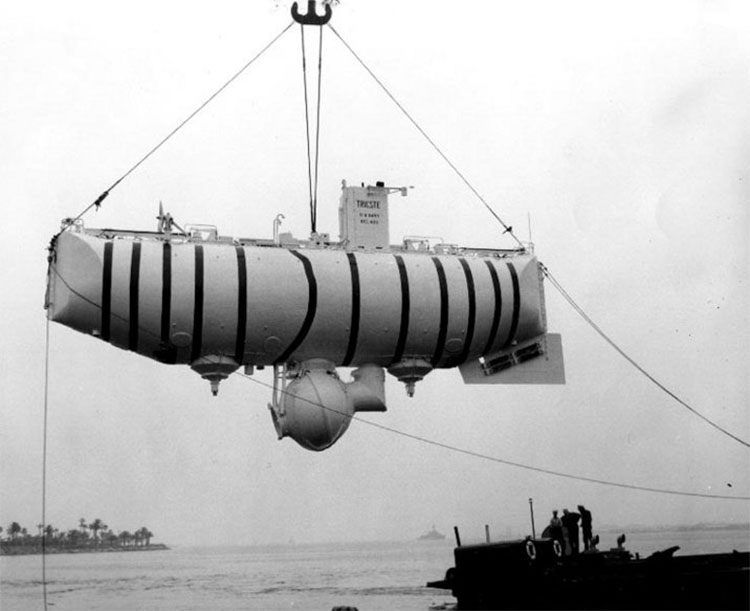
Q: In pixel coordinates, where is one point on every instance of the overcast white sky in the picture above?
(621, 128)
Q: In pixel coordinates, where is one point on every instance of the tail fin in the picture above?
(536, 361)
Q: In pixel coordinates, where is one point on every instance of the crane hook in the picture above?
(312, 17)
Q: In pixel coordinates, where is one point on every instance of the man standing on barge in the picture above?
(585, 526)
(570, 525)
(555, 529)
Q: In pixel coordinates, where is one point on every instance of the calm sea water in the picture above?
(368, 576)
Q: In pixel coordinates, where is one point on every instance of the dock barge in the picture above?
(535, 574)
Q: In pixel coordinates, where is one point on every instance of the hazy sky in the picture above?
(621, 129)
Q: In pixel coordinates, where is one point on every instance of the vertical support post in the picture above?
(458, 537)
(531, 509)
(487, 532)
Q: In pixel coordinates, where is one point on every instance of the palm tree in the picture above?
(73, 536)
(14, 529)
(125, 538)
(96, 526)
(146, 534)
(109, 537)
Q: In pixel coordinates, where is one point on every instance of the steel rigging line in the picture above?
(98, 201)
(507, 228)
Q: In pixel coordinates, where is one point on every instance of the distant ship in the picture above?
(432, 535)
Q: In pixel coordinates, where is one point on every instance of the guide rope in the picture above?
(630, 360)
(504, 461)
(507, 228)
(44, 463)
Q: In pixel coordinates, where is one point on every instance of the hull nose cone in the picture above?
(74, 289)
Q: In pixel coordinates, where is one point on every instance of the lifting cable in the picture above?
(630, 360)
(507, 228)
(98, 201)
(317, 125)
(312, 177)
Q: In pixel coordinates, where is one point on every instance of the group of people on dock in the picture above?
(565, 529)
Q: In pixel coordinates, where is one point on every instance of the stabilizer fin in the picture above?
(536, 361)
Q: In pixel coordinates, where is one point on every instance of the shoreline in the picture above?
(707, 526)
(20, 550)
